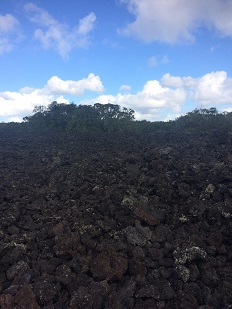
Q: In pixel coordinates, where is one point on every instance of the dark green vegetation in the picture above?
(72, 118)
(81, 118)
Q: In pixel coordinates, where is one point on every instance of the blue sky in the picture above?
(160, 58)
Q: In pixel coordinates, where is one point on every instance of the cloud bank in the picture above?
(177, 20)
(15, 105)
(157, 100)
(166, 99)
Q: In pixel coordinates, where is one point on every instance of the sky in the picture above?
(162, 59)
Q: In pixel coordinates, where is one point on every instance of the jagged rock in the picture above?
(16, 269)
(188, 301)
(123, 298)
(25, 298)
(92, 296)
(183, 272)
(107, 266)
(148, 291)
(46, 288)
(181, 256)
(64, 274)
(115, 221)
(137, 268)
(67, 244)
(137, 235)
(6, 301)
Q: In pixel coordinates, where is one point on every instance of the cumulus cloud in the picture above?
(172, 21)
(92, 82)
(166, 99)
(172, 81)
(149, 103)
(157, 100)
(9, 32)
(19, 104)
(16, 105)
(60, 36)
(214, 88)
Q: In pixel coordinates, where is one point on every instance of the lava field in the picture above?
(115, 221)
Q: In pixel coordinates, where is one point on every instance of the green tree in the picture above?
(113, 117)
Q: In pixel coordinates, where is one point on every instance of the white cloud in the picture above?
(9, 32)
(228, 110)
(172, 21)
(172, 81)
(168, 98)
(5, 96)
(157, 100)
(8, 23)
(15, 119)
(60, 36)
(219, 17)
(86, 24)
(149, 103)
(19, 103)
(16, 105)
(125, 88)
(213, 89)
(92, 82)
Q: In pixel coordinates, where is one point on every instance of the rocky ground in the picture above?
(115, 221)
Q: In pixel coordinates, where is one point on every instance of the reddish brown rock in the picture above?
(6, 301)
(146, 215)
(26, 299)
(107, 267)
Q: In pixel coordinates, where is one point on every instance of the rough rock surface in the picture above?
(115, 221)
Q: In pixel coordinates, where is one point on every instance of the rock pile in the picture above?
(113, 221)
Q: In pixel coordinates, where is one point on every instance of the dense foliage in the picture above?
(72, 118)
(81, 118)
(205, 119)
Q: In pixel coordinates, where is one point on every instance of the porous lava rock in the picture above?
(115, 221)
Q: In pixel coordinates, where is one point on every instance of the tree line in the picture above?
(72, 118)
(81, 118)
